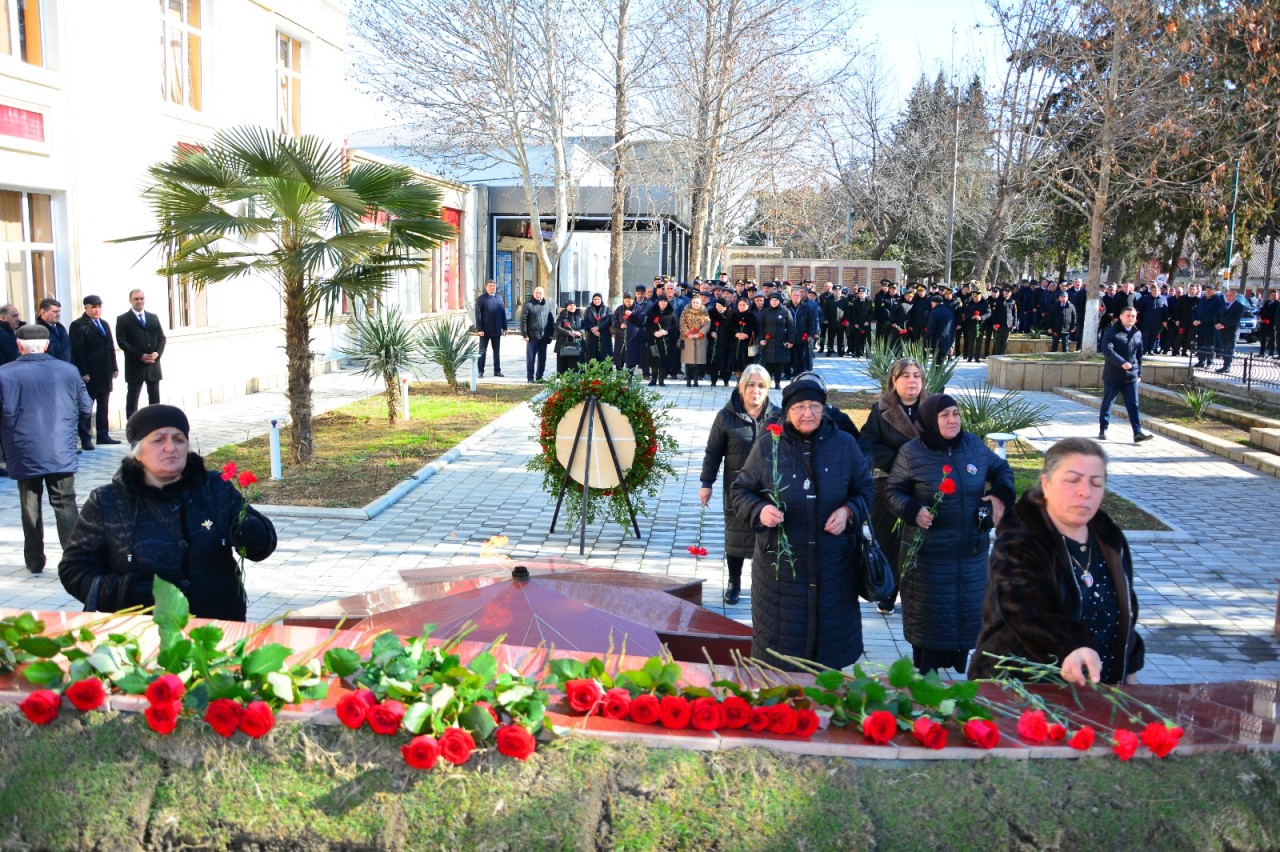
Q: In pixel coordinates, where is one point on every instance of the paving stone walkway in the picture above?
(1207, 604)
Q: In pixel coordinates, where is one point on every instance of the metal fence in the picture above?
(1247, 370)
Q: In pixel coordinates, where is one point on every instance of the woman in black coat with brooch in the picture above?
(742, 331)
(804, 605)
(776, 325)
(660, 337)
(597, 330)
(569, 340)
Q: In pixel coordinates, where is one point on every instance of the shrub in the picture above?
(983, 413)
(882, 353)
(448, 343)
(1198, 400)
(385, 345)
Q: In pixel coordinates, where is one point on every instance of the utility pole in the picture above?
(955, 170)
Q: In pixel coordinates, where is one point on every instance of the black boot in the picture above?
(734, 590)
(653, 381)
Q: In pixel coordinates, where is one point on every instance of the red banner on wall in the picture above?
(21, 123)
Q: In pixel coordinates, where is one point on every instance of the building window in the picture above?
(188, 305)
(288, 85)
(180, 52)
(21, 35)
(26, 245)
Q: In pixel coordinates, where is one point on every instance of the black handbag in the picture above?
(872, 574)
(570, 351)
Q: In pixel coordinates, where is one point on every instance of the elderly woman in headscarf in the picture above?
(164, 515)
(597, 330)
(694, 323)
(949, 489)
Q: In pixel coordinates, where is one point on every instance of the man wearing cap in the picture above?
(93, 351)
(41, 402)
(142, 340)
(858, 314)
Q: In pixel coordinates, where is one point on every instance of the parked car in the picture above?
(1248, 331)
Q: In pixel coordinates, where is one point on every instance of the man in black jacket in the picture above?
(1228, 326)
(49, 315)
(93, 351)
(8, 339)
(142, 340)
(1062, 322)
(858, 314)
(537, 325)
(1268, 316)
(1121, 372)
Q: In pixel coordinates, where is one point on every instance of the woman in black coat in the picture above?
(1061, 578)
(733, 433)
(805, 605)
(942, 593)
(892, 424)
(776, 325)
(742, 332)
(720, 342)
(597, 330)
(660, 337)
(163, 515)
(569, 340)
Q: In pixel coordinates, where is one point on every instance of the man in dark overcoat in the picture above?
(142, 340)
(93, 351)
(491, 322)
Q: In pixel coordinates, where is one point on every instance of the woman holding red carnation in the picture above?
(948, 486)
(164, 515)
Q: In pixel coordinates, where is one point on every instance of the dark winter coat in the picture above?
(8, 344)
(537, 320)
(942, 593)
(858, 313)
(1062, 318)
(136, 341)
(1032, 604)
(733, 434)
(974, 314)
(735, 349)
(940, 333)
(660, 320)
(720, 338)
(1230, 317)
(491, 315)
(59, 341)
(601, 319)
(808, 321)
(918, 317)
(775, 331)
(94, 354)
(187, 533)
(807, 607)
(1118, 348)
(887, 429)
(566, 324)
(41, 400)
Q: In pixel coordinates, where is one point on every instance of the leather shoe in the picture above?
(87, 446)
(499, 376)
(1142, 436)
(1102, 436)
(107, 440)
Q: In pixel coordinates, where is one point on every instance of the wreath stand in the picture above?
(583, 451)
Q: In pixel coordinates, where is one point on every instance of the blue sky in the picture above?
(915, 36)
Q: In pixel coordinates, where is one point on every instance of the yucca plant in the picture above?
(448, 343)
(385, 345)
(1198, 400)
(883, 353)
(982, 412)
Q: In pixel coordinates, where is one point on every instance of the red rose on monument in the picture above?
(645, 709)
(675, 711)
(166, 689)
(617, 704)
(87, 694)
(782, 719)
(584, 695)
(1161, 738)
(223, 715)
(929, 733)
(759, 720)
(515, 741)
(806, 723)
(385, 718)
(41, 706)
(163, 718)
(421, 752)
(982, 732)
(880, 727)
(1082, 740)
(456, 746)
(1125, 744)
(257, 719)
(737, 712)
(1032, 727)
(353, 708)
(706, 714)
(1057, 733)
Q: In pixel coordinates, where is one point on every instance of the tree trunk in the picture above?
(392, 384)
(1175, 254)
(617, 213)
(993, 234)
(297, 337)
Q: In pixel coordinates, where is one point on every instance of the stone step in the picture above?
(1267, 439)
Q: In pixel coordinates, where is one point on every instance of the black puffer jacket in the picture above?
(942, 594)
(733, 434)
(807, 608)
(1032, 606)
(186, 533)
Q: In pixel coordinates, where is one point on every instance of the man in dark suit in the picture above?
(491, 322)
(48, 315)
(142, 340)
(93, 351)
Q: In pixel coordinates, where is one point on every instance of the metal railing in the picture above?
(1244, 369)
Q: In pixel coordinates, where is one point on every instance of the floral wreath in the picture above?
(645, 411)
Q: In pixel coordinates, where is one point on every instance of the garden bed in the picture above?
(1068, 370)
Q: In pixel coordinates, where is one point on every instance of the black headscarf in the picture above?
(927, 423)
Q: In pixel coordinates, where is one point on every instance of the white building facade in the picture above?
(93, 92)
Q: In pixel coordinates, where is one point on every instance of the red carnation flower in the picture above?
(947, 486)
(515, 741)
(223, 715)
(228, 471)
(1125, 744)
(617, 704)
(946, 470)
(163, 718)
(257, 719)
(1161, 738)
(806, 723)
(421, 752)
(775, 429)
(1033, 727)
(1057, 733)
(41, 706)
(782, 719)
(675, 711)
(880, 726)
(929, 733)
(759, 719)
(1082, 740)
(166, 689)
(737, 712)
(456, 746)
(645, 709)
(353, 708)
(996, 326)
(584, 695)
(246, 479)
(706, 714)
(982, 732)
(844, 322)
(385, 718)
(87, 694)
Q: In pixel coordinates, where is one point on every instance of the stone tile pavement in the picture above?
(1207, 606)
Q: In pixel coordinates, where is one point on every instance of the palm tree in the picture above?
(257, 202)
